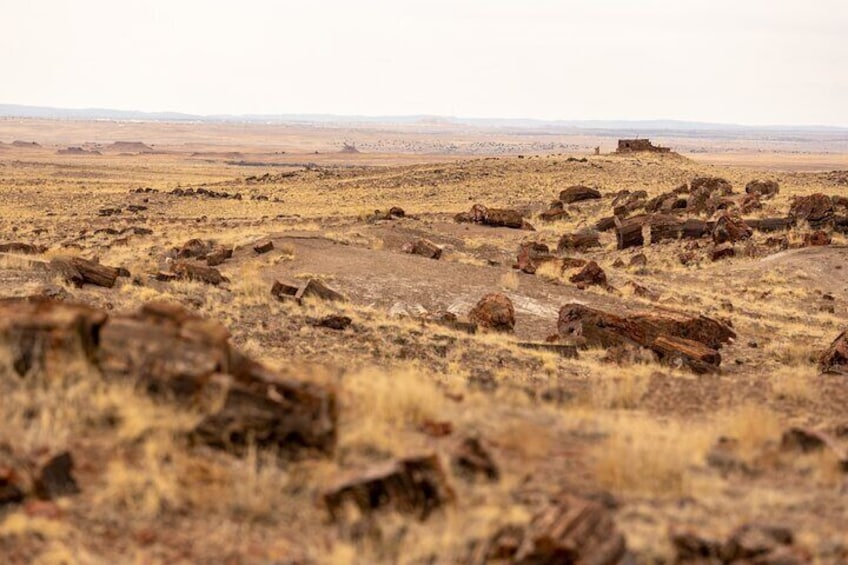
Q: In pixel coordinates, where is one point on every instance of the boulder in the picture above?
(494, 311)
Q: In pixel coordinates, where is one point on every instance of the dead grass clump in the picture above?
(650, 457)
(621, 387)
(378, 404)
(510, 281)
(794, 383)
(752, 425)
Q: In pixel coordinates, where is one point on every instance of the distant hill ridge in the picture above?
(21, 111)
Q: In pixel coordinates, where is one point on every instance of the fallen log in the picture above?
(686, 352)
(79, 271)
(199, 273)
(768, 225)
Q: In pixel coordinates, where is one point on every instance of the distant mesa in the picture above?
(27, 144)
(637, 145)
(129, 147)
(349, 148)
(77, 151)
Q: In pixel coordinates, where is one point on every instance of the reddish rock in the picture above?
(835, 358)
(591, 274)
(722, 251)
(531, 255)
(579, 241)
(817, 209)
(494, 311)
(818, 238)
(730, 228)
(424, 248)
(263, 246)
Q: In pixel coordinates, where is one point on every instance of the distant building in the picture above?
(631, 145)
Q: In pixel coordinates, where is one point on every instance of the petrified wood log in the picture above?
(198, 273)
(79, 271)
(578, 193)
(686, 352)
(572, 530)
(835, 358)
(414, 485)
(628, 233)
(166, 351)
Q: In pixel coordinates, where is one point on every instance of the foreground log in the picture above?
(79, 271)
(414, 485)
(572, 530)
(686, 352)
(169, 353)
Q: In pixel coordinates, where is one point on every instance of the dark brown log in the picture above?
(415, 485)
(580, 240)
(770, 224)
(840, 224)
(79, 271)
(686, 352)
(708, 331)
(578, 193)
(55, 477)
(628, 233)
(693, 228)
(605, 224)
(591, 274)
(531, 255)
(664, 227)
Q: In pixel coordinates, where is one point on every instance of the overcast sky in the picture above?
(740, 61)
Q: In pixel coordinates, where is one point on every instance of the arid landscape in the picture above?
(426, 343)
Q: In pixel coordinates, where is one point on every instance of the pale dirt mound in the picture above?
(129, 147)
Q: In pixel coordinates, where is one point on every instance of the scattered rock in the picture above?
(263, 246)
(818, 238)
(722, 251)
(730, 228)
(531, 255)
(199, 273)
(333, 322)
(424, 248)
(816, 209)
(835, 358)
(494, 311)
(591, 274)
(763, 188)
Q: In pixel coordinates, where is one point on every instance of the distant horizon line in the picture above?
(23, 111)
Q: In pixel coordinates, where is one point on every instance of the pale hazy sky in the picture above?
(743, 61)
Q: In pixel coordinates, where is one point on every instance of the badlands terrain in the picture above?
(257, 344)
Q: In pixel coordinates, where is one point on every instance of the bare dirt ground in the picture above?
(645, 439)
